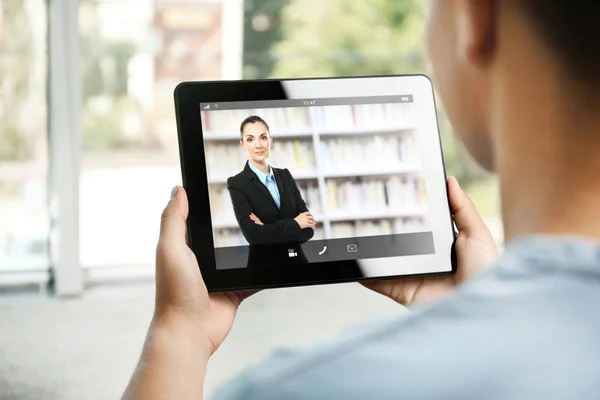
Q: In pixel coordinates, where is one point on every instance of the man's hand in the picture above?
(255, 219)
(188, 324)
(181, 296)
(306, 220)
(475, 251)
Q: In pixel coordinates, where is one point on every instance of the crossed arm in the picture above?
(299, 229)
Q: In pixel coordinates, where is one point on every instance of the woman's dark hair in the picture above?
(252, 120)
(571, 28)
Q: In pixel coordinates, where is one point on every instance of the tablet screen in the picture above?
(322, 179)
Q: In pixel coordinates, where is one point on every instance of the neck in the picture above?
(547, 157)
(263, 167)
(556, 198)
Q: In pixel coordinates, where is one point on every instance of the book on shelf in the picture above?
(295, 155)
(227, 159)
(220, 203)
(404, 192)
(372, 228)
(224, 160)
(311, 195)
(393, 193)
(380, 151)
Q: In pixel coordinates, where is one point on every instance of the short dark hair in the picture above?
(570, 28)
(252, 120)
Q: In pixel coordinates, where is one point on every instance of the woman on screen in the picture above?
(267, 203)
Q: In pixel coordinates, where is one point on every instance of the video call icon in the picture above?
(292, 253)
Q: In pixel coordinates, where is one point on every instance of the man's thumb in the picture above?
(466, 217)
(172, 224)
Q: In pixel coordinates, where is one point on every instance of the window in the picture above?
(24, 220)
(134, 54)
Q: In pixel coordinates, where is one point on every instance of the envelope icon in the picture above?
(352, 248)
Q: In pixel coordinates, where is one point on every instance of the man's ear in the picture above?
(477, 22)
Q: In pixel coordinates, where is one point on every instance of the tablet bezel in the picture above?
(188, 96)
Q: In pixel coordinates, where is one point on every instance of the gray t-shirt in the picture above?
(527, 328)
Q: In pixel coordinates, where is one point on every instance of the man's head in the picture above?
(479, 48)
(256, 139)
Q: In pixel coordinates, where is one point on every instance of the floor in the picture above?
(86, 348)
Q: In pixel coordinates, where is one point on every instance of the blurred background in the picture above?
(88, 155)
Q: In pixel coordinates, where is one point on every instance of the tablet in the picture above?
(310, 181)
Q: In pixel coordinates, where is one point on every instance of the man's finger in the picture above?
(172, 225)
(466, 216)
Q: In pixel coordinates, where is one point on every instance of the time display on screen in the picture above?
(309, 102)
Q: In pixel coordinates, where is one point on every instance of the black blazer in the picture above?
(250, 195)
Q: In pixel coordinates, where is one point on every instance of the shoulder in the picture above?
(284, 172)
(237, 180)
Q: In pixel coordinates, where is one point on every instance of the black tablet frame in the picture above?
(188, 96)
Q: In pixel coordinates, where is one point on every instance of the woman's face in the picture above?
(256, 142)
